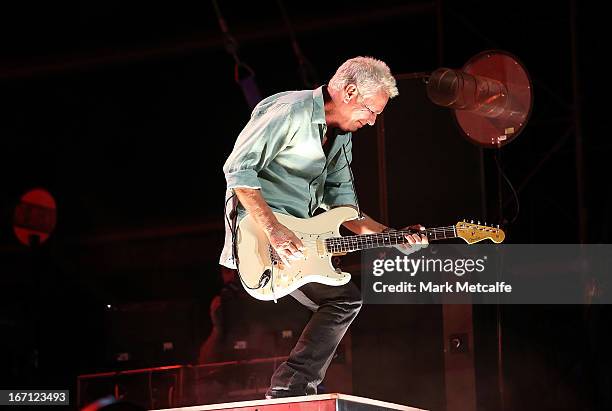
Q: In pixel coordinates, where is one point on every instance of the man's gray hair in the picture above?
(368, 74)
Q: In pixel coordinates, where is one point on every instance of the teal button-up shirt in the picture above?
(280, 152)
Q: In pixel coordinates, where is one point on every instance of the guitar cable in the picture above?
(271, 280)
(233, 226)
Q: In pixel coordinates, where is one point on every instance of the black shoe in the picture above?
(276, 393)
(271, 394)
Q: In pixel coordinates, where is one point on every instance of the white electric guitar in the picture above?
(265, 277)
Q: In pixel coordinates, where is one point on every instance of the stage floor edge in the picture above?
(321, 402)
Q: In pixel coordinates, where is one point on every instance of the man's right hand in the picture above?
(285, 242)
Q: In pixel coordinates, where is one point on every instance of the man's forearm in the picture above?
(254, 203)
(365, 226)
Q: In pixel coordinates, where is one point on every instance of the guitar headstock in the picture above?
(473, 233)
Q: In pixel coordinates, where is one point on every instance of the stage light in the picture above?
(491, 97)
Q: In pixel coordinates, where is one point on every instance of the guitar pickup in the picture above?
(321, 248)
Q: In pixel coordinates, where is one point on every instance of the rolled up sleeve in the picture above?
(266, 134)
(242, 178)
(338, 189)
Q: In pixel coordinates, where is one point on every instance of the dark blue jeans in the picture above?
(334, 309)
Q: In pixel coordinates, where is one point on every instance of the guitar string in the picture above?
(370, 239)
(374, 240)
(339, 244)
(384, 236)
(354, 244)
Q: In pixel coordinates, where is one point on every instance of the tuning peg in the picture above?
(478, 222)
(471, 221)
(485, 223)
(497, 225)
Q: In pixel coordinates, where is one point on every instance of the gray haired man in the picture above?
(293, 157)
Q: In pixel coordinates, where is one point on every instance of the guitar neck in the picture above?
(390, 238)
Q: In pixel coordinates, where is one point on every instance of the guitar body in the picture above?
(265, 277)
(255, 255)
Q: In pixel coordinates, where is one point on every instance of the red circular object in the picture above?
(35, 217)
(495, 132)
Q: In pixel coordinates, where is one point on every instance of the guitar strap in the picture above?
(361, 217)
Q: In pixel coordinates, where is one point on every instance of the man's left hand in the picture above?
(416, 242)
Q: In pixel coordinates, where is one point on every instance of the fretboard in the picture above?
(391, 238)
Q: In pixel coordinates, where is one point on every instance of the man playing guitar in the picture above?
(293, 157)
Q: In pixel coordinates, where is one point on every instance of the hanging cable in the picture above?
(231, 219)
(305, 67)
(515, 194)
(244, 75)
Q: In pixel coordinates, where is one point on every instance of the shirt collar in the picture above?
(318, 106)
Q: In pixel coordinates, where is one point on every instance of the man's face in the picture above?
(356, 112)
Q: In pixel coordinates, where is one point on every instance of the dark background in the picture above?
(125, 112)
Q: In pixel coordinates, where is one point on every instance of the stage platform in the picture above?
(321, 402)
